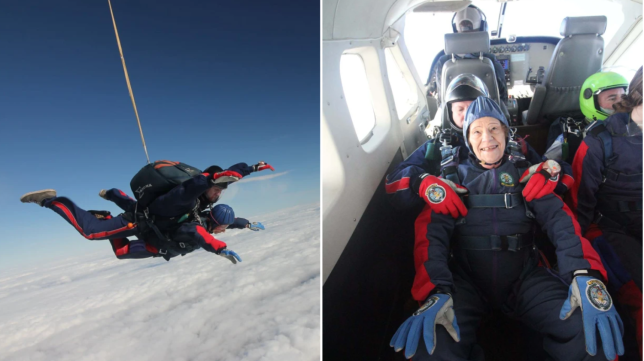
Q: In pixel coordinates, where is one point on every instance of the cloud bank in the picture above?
(197, 307)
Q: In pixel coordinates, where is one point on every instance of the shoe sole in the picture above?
(26, 195)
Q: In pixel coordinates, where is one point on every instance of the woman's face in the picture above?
(487, 139)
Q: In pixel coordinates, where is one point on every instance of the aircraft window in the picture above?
(529, 18)
(357, 95)
(405, 96)
(628, 63)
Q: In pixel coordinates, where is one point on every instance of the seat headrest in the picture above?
(465, 43)
(583, 25)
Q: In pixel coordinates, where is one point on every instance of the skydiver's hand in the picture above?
(226, 176)
(261, 166)
(256, 226)
(229, 254)
(438, 309)
(592, 298)
(542, 179)
(441, 195)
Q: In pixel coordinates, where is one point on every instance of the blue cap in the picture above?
(222, 214)
(482, 107)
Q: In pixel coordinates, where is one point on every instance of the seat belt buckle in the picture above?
(507, 199)
(447, 160)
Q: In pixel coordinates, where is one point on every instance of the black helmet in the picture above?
(463, 87)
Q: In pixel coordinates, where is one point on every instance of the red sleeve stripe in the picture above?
(214, 242)
(422, 284)
(577, 172)
(568, 181)
(72, 220)
(398, 185)
(587, 249)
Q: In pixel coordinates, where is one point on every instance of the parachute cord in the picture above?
(127, 79)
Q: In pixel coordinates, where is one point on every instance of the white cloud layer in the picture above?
(263, 177)
(197, 307)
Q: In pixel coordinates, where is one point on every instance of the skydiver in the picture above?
(488, 261)
(607, 196)
(188, 237)
(598, 94)
(190, 197)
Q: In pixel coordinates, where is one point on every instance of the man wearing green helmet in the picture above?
(596, 98)
(598, 94)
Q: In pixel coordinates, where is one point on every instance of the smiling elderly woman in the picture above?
(495, 264)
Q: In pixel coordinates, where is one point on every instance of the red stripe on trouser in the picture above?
(631, 296)
(422, 284)
(150, 248)
(72, 220)
(400, 184)
(212, 241)
(587, 249)
(122, 250)
(577, 172)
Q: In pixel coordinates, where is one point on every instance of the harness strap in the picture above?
(621, 206)
(510, 243)
(599, 131)
(610, 174)
(605, 222)
(506, 200)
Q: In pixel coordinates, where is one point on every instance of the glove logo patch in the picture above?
(597, 295)
(430, 302)
(506, 180)
(435, 193)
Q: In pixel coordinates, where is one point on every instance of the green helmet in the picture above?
(594, 85)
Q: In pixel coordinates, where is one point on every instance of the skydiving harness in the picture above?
(573, 132)
(449, 170)
(599, 130)
(164, 243)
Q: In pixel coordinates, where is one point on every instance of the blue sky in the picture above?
(214, 82)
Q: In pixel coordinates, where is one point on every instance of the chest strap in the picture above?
(510, 243)
(506, 200)
(621, 206)
(610, 174)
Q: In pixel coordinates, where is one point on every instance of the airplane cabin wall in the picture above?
(352, 171)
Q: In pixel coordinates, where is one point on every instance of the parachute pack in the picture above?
(158, 178)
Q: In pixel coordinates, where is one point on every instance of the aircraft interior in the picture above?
(368, 265)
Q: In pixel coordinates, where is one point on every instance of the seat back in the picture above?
(469, 43)
(576, 57)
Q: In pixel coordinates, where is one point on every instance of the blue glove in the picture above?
(230, 255)
(590, 294)
(436, 310)
(256, 226)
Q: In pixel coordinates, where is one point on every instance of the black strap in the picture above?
(621, 206)
(510, 243)
(621, 177)
(506, 200)
(605, 222)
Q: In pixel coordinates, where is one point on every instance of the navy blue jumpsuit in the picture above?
(488, 262)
